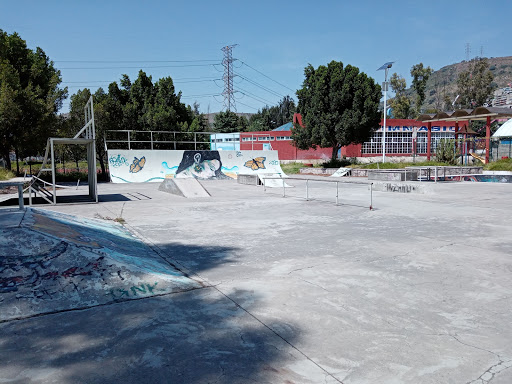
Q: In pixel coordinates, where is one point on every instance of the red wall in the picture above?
(289, 152)
(286, 149)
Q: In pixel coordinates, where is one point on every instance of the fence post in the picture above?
(151, 140)
(371, 196)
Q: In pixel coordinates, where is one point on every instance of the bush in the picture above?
(500, 165)
(446, 151)
(5, 174)
(337, 163)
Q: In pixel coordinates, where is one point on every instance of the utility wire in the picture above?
(253, 96)
(140, 67)
(133, 61)
(261, 86)
(261, 73)
(248, 106)
(183, 79)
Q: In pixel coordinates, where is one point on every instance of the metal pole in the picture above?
(384, 127)
(151, 140)
(128, 139)
(307, 189)
(20, 196)
(371, 196)
(435, 174)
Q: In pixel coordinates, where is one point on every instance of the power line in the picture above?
(87, 85)
(204, 95)
(253, 96)
(133, 61)
(248, 106)
(181, 80)
(261, 86)
(139, 67)
(261, 73)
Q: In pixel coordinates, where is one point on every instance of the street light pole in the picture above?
(385, 67)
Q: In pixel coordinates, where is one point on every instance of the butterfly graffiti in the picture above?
(256, 163)
(137, 164)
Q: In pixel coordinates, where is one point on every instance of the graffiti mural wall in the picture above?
(141, 166)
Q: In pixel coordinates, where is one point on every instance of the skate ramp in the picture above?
(188, 188)
(52, 262)
(142, 166)
(342, 172)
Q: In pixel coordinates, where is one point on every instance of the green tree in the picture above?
(269, 118)
(420, 76)
(474, 85)
(29, 97)
(339, 106)
(226, 122)
(400, 103)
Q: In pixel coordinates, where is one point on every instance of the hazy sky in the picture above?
(94, 42)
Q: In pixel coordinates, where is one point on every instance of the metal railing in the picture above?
(172, 138)
(307, 194)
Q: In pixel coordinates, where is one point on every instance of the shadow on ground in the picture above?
(191, 333)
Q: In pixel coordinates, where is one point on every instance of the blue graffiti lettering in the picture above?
(117, 161)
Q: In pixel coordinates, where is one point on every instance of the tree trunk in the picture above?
(8, 164)
(103, 170)
(335, 149)
(17, 162)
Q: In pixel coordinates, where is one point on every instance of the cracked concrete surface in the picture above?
(416, 291)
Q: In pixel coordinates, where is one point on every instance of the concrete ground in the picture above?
(281, 290)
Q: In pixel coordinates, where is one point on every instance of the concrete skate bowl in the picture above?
(142, 166)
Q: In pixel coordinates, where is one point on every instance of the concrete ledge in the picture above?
(392, 174)
(318, 171)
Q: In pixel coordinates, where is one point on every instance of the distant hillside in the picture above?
(444, 81)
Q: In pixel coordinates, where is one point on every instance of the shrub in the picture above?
(446, 151)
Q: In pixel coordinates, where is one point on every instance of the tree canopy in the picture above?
(474, 86)
(269, 118)
(29, 97)
(339, 106)
(400, 104)
(140, 105)
(420, 76)
(228, 121)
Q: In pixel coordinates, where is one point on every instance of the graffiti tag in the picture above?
(401, 188)
(239, 154)
(136, 290)
(273, 162)
(117, 161)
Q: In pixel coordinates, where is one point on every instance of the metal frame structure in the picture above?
(479, 113)
(86, 136)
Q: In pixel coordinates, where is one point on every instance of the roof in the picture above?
(479, 113)
(505, 130)
(284, 127)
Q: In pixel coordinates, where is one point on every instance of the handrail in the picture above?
(369, 183)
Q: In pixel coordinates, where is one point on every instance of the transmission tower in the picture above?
(468, 51)
(228, 93)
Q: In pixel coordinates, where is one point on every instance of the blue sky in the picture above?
(277, 38)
